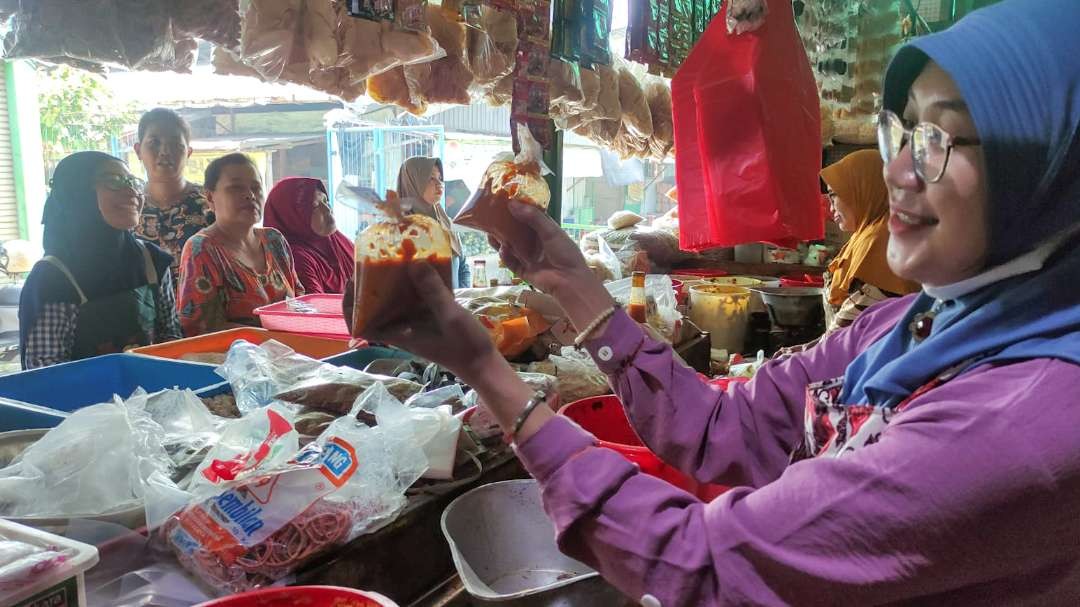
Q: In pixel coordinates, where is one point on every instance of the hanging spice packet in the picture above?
(374, 10)
(530, 103)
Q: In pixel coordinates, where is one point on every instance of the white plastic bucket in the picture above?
(724, 312)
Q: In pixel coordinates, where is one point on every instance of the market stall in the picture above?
(374, 444)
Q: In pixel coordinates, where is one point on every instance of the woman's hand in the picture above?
(441, 331)
(437, 329)
(555, 266)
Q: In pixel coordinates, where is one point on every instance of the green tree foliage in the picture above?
(78, 112)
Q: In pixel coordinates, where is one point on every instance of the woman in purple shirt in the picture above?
(929, 453)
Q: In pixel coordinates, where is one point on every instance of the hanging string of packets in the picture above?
(660, 33)
(581, 32)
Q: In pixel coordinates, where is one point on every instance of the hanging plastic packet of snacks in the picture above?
(530, 103)
(509, 178)
(375, 10)
(745, 16)
(411, 15)
(384, 253)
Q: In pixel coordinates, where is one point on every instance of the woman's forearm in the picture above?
(504, 393)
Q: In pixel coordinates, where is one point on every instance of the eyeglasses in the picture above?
(931, 146)
(118, 183)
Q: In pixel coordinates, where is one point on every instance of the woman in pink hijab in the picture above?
(298, 207)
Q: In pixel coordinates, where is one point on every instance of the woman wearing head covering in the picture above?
(98, 290)
(233, 267)
(860, 276)
(176, 209)
(298, 208)
(420, 184)
(929, 453)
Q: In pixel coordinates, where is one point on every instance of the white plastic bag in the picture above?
(93, 463)
(260, 375)
(665, 317)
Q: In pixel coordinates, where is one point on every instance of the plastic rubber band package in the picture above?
(272, 517)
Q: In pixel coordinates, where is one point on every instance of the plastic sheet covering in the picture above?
(125, 33)
(216, 21)
(491, 42)
(747, 130)
(93, 463)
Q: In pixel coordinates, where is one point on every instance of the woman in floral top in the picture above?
(175, 208)
(230, 268)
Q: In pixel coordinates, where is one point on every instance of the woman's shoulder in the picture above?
(47, 283)
(877, 320)
(273, 237)
(201, 242)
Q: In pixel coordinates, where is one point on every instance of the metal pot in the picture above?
(793, 306)
(14, 443)
(504, 550)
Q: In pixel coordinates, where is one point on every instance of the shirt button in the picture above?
(605, 353)
(650, 601)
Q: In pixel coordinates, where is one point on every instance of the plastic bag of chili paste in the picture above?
(384, 252)
(350, 481)
(509, 178)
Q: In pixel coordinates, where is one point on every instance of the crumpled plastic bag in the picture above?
(125, 33)
(576, 374)
(262, 374)
(603, 261)
(350, 481)
(663, 313)
(93, 463)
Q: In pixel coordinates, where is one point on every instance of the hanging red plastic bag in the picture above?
(748, 137)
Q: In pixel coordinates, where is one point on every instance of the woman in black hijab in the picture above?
(99, 290)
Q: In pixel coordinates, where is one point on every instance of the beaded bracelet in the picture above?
(593, 326)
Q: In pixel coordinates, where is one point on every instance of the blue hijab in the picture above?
(1017, 65)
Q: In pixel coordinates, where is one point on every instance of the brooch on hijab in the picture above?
(923, 323)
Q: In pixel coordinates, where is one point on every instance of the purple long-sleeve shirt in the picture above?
(970, 497)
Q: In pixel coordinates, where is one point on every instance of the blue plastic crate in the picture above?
(42, 398)
(361, 358)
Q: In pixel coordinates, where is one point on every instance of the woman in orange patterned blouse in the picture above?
(233, 267)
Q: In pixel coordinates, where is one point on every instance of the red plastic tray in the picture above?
(327, 321)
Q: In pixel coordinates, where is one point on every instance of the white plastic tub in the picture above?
(60, 585)
(724, 312)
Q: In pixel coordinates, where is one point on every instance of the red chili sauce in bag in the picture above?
(385, 292)
(518, 178)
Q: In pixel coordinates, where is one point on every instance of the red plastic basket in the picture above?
(306, 596)
(326, 321)
(605, 418)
